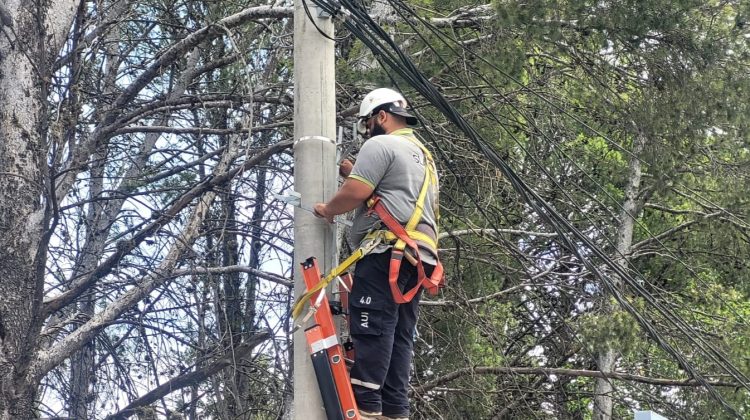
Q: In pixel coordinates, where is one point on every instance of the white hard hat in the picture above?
(387, 100)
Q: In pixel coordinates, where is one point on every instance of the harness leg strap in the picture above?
(393, 271)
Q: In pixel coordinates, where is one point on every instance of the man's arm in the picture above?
(350, 196)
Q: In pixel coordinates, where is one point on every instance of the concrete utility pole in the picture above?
(314, 176)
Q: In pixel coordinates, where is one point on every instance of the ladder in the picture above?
(326, 353)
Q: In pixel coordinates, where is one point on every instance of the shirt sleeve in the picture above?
(372, 163)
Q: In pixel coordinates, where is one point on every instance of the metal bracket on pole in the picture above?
(647, 415)
(312, 138)
(295, 199)
(341, 13)
(323, 14)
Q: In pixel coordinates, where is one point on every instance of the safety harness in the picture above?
(403, 238)
(407, 236)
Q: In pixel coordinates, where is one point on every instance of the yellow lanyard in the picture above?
(430, 178)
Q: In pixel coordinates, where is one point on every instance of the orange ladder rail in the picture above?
(322, 336)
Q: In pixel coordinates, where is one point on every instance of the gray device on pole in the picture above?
(295, 199)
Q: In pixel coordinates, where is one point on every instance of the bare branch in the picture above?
(106, 126)
(490, 370)
(669, 232)
(191, 378)
(125, 246)
(179, 49)
(200, 130)
(470, 17)
(494, 232)
(236, 269)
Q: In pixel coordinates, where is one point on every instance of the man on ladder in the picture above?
(394, 187)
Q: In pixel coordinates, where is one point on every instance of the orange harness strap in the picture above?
(432, 283)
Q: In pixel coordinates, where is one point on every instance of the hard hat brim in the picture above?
(410, 119)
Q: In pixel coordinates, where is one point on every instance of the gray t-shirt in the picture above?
(395, 168)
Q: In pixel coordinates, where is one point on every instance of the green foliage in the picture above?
(600, 331)
(564, 89)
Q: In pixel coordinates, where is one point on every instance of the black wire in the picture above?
(390, 60)
(667, 314)
(397, 61)
(312, 20)
(675, 319)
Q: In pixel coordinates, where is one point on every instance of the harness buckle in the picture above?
(369, 244)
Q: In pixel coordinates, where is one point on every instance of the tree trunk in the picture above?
(30, 33)
(232, 310)
(606, 359)
(82, 371)
(22, 212)
(82, 363)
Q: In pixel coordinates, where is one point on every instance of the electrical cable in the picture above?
(312, 20)
(653, 302)
(675, 319)
(367, 31)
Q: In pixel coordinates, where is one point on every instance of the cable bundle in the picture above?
(361, 25)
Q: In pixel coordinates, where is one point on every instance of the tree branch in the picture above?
(187, 101)
(494, 232)
(236, 269)
(178, 50)
(474, 300)
(200, 130)
(490, 370)
(125, 246)
(673, 230)
(191, 378)
(461, 21)
(466, 17)
(490, 296)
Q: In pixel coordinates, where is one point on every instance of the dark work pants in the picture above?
(382, 332)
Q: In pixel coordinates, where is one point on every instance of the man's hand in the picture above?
(352, 194)
(321, 211)
(345, 168)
